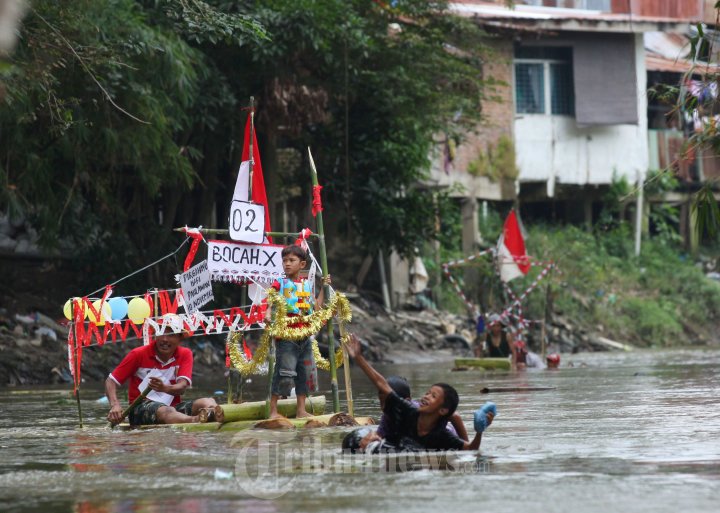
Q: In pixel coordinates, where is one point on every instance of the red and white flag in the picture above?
(241, 192)
(511, 255)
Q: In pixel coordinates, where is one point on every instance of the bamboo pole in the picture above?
(132, 406)
(77, 363)
(225, 231)
(543, 332)
(250, 146)
(326, 288)
(256, 410)
(271, 371)
(346, 372)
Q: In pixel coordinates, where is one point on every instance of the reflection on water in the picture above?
(631, 432)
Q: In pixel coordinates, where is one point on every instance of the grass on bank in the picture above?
(660, 299)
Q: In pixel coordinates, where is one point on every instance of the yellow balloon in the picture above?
(138, 310)
(105, 314)
(68, 308)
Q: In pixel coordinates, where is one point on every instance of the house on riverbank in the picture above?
(570, 111)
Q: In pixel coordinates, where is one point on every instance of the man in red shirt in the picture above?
(169, 368)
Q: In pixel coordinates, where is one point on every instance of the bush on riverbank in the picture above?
(661, 299)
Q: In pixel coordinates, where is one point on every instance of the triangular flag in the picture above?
(246, 350)
(511, 255)
(258, 182)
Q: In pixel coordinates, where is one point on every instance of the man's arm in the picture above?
(177, 389)
(115, 414)
(354, 350)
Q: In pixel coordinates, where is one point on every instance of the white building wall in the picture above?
(554, 149)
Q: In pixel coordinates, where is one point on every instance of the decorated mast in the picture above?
(317, 210)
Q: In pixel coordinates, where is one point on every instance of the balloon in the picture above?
(138, 309)
(118, 307)
(105, 314)
(68, 308)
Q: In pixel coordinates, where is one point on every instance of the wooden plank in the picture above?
(485, 363)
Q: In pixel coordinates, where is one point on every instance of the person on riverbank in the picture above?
(527, 359)
(295, 364)
(498, 342)
(422, 427)
(169, 367)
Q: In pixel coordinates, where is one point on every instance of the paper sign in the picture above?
(247, 222)
(232, 261)
(160, 397)
(196, 287)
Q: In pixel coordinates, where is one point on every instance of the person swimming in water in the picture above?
(410, 427)
(401, 387)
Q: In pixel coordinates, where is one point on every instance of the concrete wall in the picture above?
(553, 149)
(498, 122)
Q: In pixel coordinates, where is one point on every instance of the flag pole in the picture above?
(326, 288)
(76, 359)
(250, 147)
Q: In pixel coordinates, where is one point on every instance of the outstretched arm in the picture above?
(354, 350)
(459, 426)
(483, 418)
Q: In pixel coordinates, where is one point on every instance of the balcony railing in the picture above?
(589, 5)
(668, 149)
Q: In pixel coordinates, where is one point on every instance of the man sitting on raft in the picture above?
(170, 368)
(414, 428)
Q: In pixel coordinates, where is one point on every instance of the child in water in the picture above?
(401, 387)
(411, 427)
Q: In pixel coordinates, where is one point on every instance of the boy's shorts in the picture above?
(146, 413)
(294, 366)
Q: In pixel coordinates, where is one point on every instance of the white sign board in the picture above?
(247, 222)
(232, 261)
(196, 287)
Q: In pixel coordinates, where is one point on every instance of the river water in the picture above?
(619, 432)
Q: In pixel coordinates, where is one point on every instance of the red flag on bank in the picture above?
(511, 255)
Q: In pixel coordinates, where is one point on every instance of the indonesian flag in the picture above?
(511, 255)
(241, 192)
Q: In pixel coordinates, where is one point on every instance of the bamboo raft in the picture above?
(251, 415)
(484, 363)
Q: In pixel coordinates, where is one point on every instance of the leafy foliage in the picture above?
(662, 299)
(100, 107)
(124, 117)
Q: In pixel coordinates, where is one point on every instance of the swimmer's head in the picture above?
(553, 360)
(400, 386)
(441, 398)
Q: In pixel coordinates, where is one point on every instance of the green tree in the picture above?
(122, 119)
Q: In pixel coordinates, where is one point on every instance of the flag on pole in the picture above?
(511, 255)
(241, 192)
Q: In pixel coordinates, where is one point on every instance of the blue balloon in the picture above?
(119, 307)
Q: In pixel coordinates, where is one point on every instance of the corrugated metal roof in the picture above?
(668, 52)
(564, 19)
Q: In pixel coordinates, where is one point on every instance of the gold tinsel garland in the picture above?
(313, 323)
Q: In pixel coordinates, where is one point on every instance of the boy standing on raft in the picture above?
(422, 427)
(295, 365)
